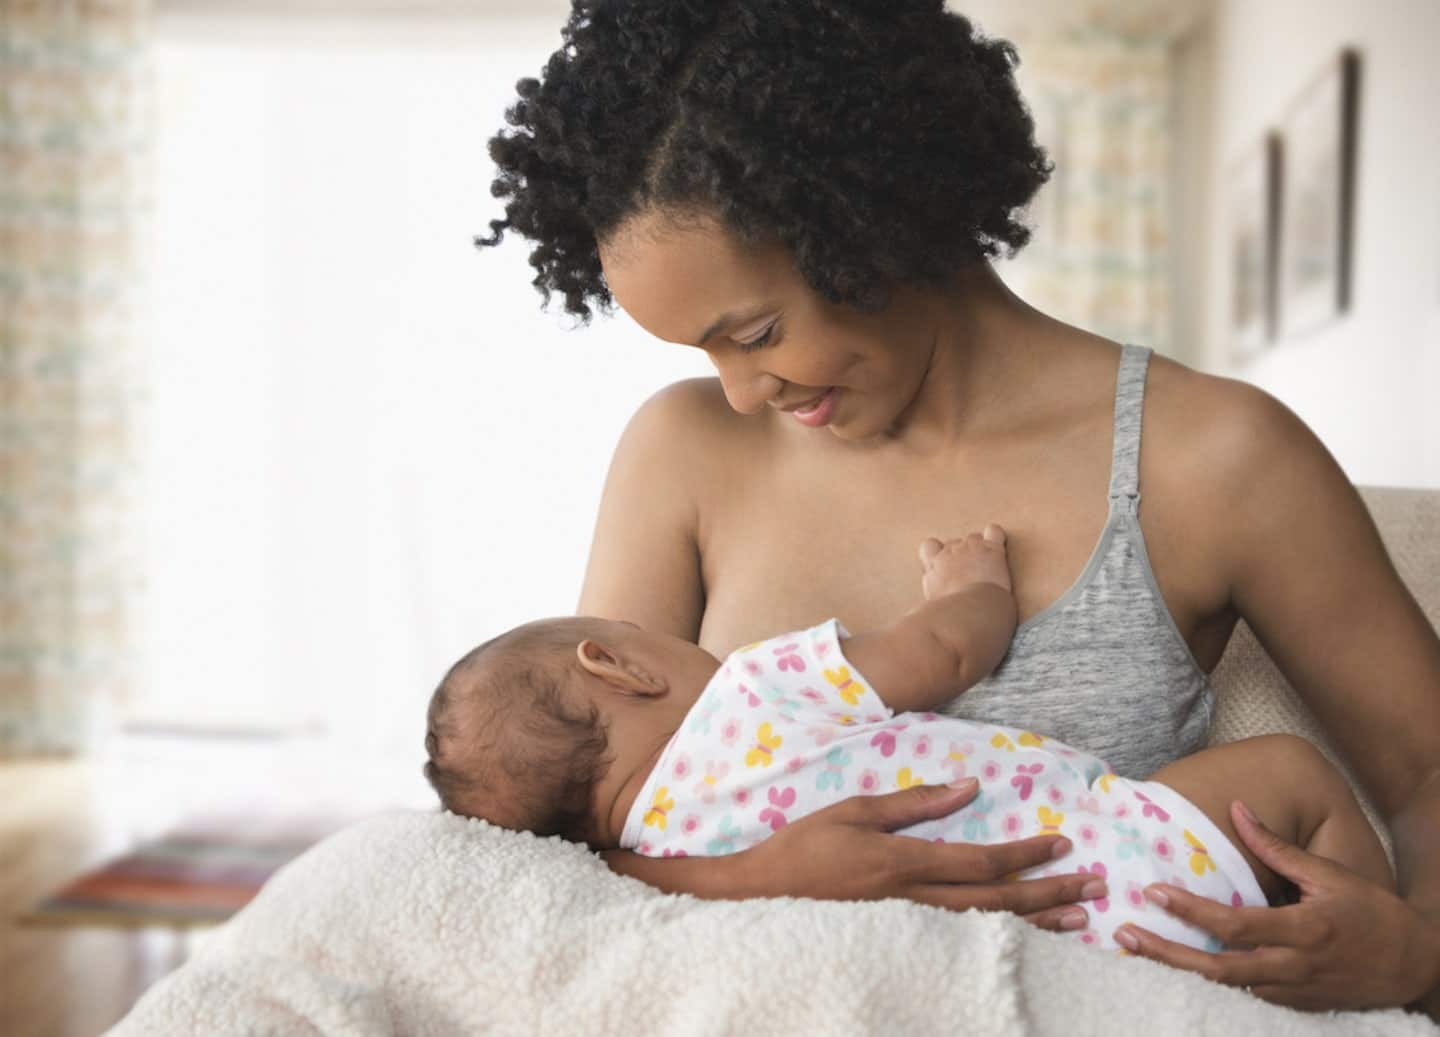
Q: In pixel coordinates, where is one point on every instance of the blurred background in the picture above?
(277, 443)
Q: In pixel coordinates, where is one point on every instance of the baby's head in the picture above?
(544, 727)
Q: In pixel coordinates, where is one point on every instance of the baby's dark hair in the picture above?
(882, 142)
(508, 742)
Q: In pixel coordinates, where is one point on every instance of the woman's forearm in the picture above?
(710, 878)
(1416, 832)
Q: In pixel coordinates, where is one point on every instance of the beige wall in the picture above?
(1369, 384)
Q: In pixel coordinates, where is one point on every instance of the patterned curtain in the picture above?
(1098, 85)
(73, 118)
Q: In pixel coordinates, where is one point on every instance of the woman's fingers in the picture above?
(1234, 926)
(1059, 919)
(1260, 967)
(971, 862)
(908, 807)
(1053, 896)
(1283, 858)
(929, 548)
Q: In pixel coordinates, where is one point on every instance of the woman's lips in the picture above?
(818, 411)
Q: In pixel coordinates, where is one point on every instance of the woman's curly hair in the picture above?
(882, 142)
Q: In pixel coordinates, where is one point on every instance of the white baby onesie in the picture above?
(788, 726)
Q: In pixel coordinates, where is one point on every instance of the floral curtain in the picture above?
(73, 118)
(1098, 85)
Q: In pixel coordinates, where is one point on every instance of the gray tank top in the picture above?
(1104, 667)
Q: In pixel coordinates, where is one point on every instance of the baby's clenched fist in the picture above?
(953, 564)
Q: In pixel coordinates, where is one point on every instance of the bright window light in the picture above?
(368, 448)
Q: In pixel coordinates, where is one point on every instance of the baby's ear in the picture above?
(615, 669)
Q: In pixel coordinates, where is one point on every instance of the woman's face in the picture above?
(773, 341)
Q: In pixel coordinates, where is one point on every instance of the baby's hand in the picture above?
(954, 564)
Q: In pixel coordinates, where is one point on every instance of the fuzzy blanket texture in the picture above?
(425, 924)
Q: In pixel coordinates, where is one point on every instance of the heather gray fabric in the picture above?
(1104, 668)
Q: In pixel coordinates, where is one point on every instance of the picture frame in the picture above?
(1254, 221)
(1316, 238)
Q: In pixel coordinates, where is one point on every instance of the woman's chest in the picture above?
(790, 546)
(786, 548)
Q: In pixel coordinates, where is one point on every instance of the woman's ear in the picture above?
(621, 673)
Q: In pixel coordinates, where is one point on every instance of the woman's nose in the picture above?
(747, 389)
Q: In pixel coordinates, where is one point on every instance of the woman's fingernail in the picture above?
(965, 784)
(1061, 848)
(1094, 889)
(1125, 938)
(1156, 895)
(1073, 920)
(1250, 815)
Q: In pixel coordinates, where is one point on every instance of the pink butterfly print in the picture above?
(714, 771)
(1152, 809)
(886, 742)
(1097, 869)
(1236, 900)
(1089, 804)
(1024, 779)
(667, 852)
(753, 668)
(774, 815)
(821, 735)
(812, 695)
(790, 658)
(749, 696)
(822, 649)
(1135, 895)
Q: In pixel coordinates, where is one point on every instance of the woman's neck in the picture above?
(989, 349)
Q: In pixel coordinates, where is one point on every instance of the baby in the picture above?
(605, 733)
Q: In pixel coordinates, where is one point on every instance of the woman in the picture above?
(811, 192)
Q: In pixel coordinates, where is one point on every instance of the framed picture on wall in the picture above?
(1317, 213)
(1254, 222)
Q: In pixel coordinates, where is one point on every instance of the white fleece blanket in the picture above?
(422, 923)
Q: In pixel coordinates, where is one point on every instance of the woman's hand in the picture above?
(846, 852)
(1348, 943)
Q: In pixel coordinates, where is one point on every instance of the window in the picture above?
(368, 447)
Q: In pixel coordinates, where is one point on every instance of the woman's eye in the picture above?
(758, 343)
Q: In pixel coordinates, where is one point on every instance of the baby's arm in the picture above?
(956, 638)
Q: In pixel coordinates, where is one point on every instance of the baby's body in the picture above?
(790, 725)
(705, 757)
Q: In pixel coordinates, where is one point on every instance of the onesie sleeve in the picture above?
(806, 676)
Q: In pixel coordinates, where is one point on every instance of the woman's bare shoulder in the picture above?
(688, 426)
(1221, 431)
(1228, 461)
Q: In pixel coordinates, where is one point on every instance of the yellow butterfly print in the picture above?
(1050, 821)
(663, 804)
(1104, 781)
(762, 754)
(1200, 861)
(848, 688)
(905, 780)
(1002, 741)
(1031, 738)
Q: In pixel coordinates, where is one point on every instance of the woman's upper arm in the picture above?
(644, 558)
(1313, 580)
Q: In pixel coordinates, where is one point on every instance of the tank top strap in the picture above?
(1129, 408)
